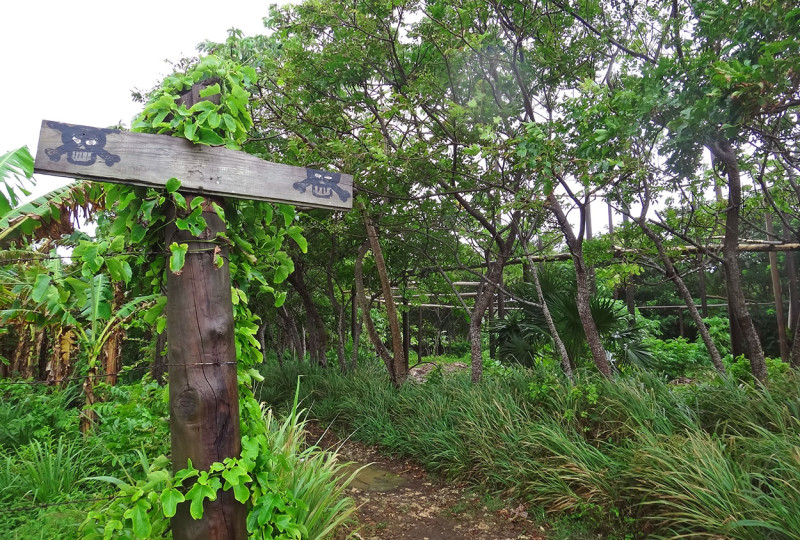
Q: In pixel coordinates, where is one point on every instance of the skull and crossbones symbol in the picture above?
(82, 145)
(323, 184)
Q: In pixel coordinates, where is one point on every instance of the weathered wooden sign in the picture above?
(110, 155)
(204, 404)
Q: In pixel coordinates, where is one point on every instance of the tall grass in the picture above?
(712, 459)
(315, 477)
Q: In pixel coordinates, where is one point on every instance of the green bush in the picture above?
(29, 412)
(677, 357)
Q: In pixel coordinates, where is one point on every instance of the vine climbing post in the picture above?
(201, 359)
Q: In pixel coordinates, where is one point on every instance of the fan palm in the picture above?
(524, 333)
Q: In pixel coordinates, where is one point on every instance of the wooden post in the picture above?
(203, 393)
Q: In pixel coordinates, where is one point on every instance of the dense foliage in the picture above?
(644, 370)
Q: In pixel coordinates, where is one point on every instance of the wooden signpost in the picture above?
(204, 405)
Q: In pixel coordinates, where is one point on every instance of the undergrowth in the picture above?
(633, 455)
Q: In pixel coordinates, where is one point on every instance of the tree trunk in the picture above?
(400, 369)
(482, 301)
(338, 309)
(683, 292)
(377, 342)
(794, 296)
(725, 154)
(794, 357)
(203, 390)
(317, 335)
(357, 325)
(566, 366)
(583, 296)
(701, 285)
(783, 339)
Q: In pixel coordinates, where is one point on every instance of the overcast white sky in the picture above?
(77, 62)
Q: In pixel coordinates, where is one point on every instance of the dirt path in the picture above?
(398, 500)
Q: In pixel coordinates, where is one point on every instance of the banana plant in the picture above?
(16, 165)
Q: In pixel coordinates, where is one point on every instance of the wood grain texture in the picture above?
(107, 155)
(204, 399)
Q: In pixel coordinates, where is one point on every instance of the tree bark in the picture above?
(376, 340)
(318, 336)
(783, 340)
(794, 297)
(724, 154)
(701, 285)
(203, 392)
(566, 366)
(400, 370)
(583, 295)
(683, 292)
(794, 357)
(338, 309)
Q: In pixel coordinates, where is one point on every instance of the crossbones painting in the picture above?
(323, 184)
(82, 145)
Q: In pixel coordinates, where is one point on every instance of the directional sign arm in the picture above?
(108, 155)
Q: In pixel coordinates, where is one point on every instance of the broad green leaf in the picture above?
(288, 212)
(212, 90)
(177, 257)
(297, 235)
(151, 314)
(161, 324)
(138, 516)
(172, 185)
(119, 269)
(137, 233)
(40, 287)
(209, 137)
(117, 244)
(170, 498)
(189, 130)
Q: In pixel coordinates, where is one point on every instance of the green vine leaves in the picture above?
(255, 234)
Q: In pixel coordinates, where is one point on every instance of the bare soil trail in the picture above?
(398, 500)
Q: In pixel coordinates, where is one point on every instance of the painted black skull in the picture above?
(323, 184)
(82, 145)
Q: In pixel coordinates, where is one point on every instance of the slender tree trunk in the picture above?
(482, 301)
(358, 323)
(159, 367)
(683, 292)
(419, 336)
(338, 309)
(492, 336)
(262, 340)
(566, 366)
(318, 336)
(583, 296)
(630, 294)
(701, 285)
(725, 154)
(406, 326)
(398, 355)
(294, 334)
(783, 339)
(377, 342)
(794, 357)
(794, 293)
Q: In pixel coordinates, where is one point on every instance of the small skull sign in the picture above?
(82, 145)
(323, 184)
